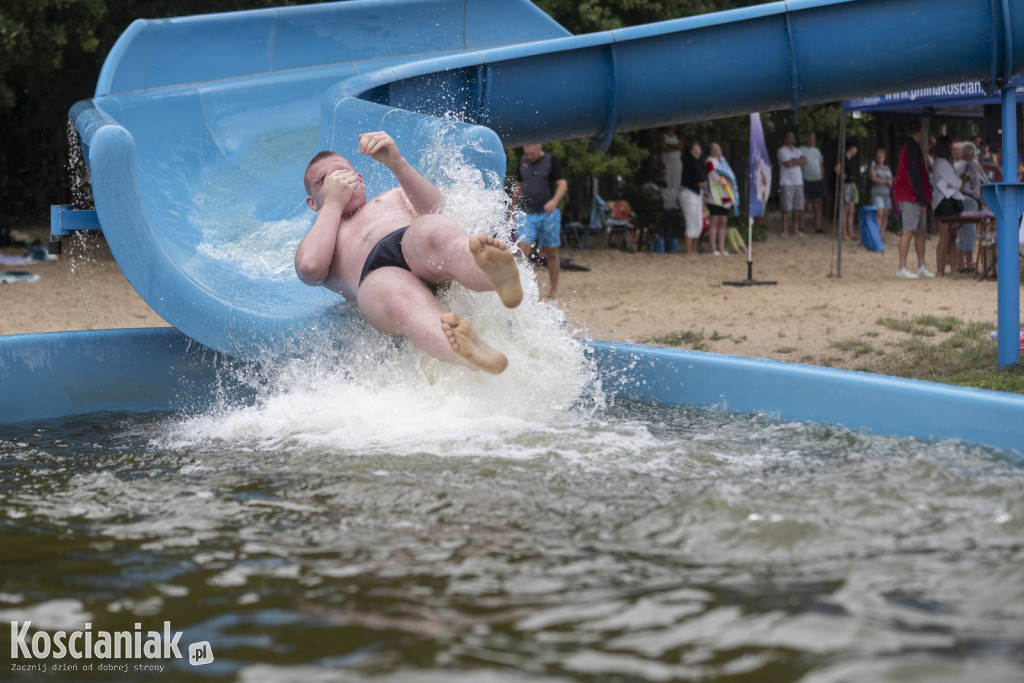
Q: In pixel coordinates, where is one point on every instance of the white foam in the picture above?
(261, 250)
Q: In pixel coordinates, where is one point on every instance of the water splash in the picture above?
(346, 388)
(77, 172)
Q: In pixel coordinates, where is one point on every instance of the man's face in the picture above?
(790, 139)
(533, 152)
(315, 181)
(812, 139)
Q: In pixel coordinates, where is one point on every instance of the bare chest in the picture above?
(358, 234)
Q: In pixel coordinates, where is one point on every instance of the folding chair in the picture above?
(573, 230)
(602, 218)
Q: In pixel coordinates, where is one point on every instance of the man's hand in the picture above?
(340, 185)
(421, 193)
(380, 147)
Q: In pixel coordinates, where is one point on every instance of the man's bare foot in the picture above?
(471, 348)
(499, 265)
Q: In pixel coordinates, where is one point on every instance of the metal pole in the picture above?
(840, 205)
(1007, 241)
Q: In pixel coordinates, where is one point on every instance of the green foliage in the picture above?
(590, 16)
(51, 52)
(43, 36)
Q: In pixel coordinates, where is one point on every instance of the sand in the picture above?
(810, 316)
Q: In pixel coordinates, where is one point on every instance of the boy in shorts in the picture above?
(791, 185)
(913, 191)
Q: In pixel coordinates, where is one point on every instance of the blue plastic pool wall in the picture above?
(158, 369)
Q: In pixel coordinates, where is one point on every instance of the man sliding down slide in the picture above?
(386, 253)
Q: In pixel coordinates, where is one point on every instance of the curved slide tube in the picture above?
(201, 127)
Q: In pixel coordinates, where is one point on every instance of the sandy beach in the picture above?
(819, 300)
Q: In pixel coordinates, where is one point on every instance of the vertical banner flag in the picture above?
(760, 168)
(760, 188)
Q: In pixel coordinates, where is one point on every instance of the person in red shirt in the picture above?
(913, 191)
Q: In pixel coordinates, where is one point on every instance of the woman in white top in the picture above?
(671, 151)
(947, 201)
(971, 190)
(880, 176)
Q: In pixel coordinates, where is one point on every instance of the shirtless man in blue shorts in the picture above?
(385, 254)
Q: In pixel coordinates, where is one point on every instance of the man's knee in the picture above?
(434, 232)
(433, 223)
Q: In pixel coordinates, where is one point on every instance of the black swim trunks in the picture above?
(387, 252)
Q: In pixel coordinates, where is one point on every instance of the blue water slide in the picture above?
(200, 127)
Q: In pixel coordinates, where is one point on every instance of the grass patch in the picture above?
(940, 349)
(854, 346)
(715, 336)
(691, 338)
(908, 326)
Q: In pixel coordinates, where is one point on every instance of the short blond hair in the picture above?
(322, 154)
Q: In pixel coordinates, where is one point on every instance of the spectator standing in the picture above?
(540, 187)
(974, 177)
(670, 148)
(694, 182)
(880, 176)
(913, 191)
(989, 161)
(791, 185)
(813, 173)
(848, 167)
(721, 197)
(947, 200)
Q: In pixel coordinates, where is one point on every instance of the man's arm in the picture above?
(424, 197)
(315, 252)
(915, 172)
(790, 161)
(561, 187)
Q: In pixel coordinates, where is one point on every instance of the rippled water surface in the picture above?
(613, 542)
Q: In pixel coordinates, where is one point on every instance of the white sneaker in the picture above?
(924, 272)
(718, 253)
(904, 273)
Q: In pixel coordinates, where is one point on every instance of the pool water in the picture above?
(371, 514)
(609, 541)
